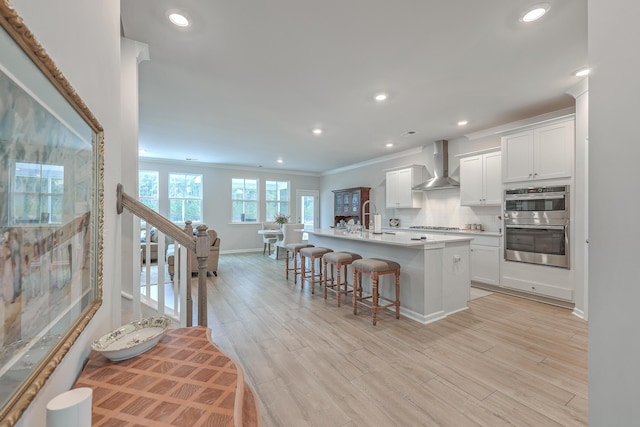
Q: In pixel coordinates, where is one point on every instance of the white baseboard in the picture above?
(578, 313)
(419, 317)
(240, 251)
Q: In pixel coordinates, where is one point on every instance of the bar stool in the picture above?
(294, 249)
(337, 260)
(374, 267)
(314, 253)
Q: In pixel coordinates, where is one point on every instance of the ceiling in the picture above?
(248, 80)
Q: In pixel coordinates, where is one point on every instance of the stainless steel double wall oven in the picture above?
(536, 222)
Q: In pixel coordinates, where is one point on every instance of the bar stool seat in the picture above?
(337, 260)
(313, 253)
(294, 249)
(374, 267)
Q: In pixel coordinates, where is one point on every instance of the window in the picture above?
(185, 197)
(148, 189)
(37, 193)
(277, 198)
(244, 200)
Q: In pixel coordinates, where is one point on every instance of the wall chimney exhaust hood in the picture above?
(441, 180)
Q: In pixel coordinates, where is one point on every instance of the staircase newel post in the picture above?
(188, 229)
(202, 255)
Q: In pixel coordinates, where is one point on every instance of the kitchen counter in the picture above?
(390, 237)
(461, 231)
(435, 279)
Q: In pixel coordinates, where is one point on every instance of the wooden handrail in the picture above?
(198, 245)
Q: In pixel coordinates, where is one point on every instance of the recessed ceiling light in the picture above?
(280, 160)
(462, 122)
(582, 72)
(178, 18)
(317, 131)
(381, 97)
(534, 13)
(411, 132)
(389, 145)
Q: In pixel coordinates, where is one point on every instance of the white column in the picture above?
(132, 54)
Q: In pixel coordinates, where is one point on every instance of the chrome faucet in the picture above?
(364, 214)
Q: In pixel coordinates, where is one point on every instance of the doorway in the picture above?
(308, 210)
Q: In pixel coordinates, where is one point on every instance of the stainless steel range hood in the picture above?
(441, 180)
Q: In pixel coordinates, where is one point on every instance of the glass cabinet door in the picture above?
(355, 202)
(338, 204)
(345, 203)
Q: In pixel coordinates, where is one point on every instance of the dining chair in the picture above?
(269, 239)
(289, 235)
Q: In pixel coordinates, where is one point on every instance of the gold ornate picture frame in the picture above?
(51, 216)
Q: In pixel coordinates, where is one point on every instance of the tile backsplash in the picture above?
(442, 208)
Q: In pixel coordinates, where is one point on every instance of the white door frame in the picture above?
(316, 205)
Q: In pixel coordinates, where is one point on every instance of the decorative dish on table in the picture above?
(132, 339)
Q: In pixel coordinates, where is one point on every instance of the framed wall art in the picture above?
(51, 216)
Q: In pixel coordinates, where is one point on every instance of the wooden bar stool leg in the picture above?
(303, 272)
(397, 294)
(286, 266)
(313, 275)
(326, 278)
(339, 283)
(355, 294)
(374, 292)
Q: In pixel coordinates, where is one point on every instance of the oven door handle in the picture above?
(539, 227)
(534, 196)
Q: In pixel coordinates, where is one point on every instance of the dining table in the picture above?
(279, 235)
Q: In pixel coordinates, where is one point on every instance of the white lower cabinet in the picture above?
(485, 260)
(550, 282)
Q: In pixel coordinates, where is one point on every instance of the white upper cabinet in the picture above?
(544, 152)
(399, 183)
(481, 179)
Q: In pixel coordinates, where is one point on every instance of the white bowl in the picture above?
(132, 339)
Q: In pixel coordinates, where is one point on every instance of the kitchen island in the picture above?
(435, 279)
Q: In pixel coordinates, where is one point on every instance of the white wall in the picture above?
(440, 208)
(217, 197)
(614, 175)
(83, 39)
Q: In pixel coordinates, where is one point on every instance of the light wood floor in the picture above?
(504, 361)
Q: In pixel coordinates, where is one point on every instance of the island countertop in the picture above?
(396, 238)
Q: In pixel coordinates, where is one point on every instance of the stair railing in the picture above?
(198, 246)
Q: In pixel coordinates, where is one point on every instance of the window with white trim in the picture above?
(277, 199)
(148, 189)
(185, 197)
(244, 200)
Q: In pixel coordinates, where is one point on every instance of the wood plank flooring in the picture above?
(504, 361)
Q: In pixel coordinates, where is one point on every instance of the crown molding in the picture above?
(508, 127)
(191, 164)
(377, 160)
(579, 88)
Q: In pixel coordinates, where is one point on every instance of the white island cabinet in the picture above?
(434, 277)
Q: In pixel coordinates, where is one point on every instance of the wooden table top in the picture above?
(185, 380)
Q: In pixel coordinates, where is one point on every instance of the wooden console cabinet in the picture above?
(347, 204)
